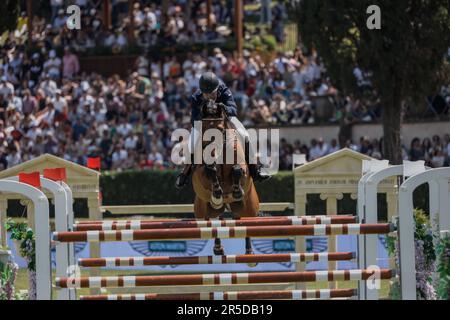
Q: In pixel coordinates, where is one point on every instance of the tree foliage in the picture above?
(407, 56)
(10, 10)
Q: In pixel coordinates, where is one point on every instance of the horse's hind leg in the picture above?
(248, 246)
(203, 210)
(249, 207)
(200, 208)
(218, 248)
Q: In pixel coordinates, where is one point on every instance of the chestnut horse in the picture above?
(218, 186)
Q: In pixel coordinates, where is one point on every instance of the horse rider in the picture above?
(211, 88)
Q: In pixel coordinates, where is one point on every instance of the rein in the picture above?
(226, 121)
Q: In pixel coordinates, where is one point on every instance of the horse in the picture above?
(220, 185)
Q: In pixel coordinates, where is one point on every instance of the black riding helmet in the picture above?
(208, 82)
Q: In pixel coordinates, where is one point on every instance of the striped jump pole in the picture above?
(323, 294)
(355, 219)
(219, 279)
(244, 258)
(143, 225)
(223, 232)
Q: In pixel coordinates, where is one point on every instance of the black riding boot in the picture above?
(254, 169)
(182, 179)
(255, 172)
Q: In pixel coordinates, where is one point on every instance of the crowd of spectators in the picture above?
(435, 151)
(149, 23)
(49, 105)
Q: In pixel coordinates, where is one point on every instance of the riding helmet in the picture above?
(208, 82)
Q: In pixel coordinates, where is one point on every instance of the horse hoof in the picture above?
(217, 195)
(216, 203)
(219, 251)
(251, 264)
(238, 194)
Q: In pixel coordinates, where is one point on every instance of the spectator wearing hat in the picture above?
(60, 20)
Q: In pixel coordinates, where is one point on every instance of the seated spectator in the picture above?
(416, 153)
(60, 20)
(438, 157)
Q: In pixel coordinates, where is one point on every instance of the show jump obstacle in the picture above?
(365, 225)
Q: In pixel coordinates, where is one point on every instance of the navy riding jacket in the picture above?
(224, 96)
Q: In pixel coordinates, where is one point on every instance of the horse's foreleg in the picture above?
(217, 192)
(249, 250)
(236, 175)
(248, 246)
(218, 248)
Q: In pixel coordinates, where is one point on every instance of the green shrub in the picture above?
(269, 41)
(157, 187)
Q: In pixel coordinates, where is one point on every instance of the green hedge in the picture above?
(157, 187)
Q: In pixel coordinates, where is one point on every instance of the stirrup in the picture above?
(255, 172)
(261, 178)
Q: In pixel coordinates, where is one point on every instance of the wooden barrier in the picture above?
(142, 225)
(235, 295)
(244, 258)
(259, 218)
(222, 232)
(218, 279)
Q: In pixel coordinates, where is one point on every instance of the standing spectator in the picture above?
(438, 157)
(13, 158)
(52, 66)
(35, 69)
(318, 149)
(6, 88)
(71, 65)
(60, 104)
(29, 103)
(266, 12)
(56, 6)
(142, 65)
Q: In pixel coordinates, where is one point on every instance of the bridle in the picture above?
(222, 118)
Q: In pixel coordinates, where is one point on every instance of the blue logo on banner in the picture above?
(284, 245)
(167, 246)
(316, 244)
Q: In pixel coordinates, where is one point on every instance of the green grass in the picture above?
(22, 281)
